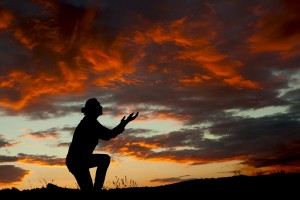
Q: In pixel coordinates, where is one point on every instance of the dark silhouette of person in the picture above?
(80, 157)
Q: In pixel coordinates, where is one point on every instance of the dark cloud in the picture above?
(34, 159)
(285, 155)
(42, 159)
(4, 158)
(278, 29)
(5, 143)
(64, 144)
(48, 134)
(10, 174)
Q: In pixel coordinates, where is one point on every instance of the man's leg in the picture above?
(84, 179)
(101, 161)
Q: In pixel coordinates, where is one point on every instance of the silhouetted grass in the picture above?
(119, 183)
(276, 185)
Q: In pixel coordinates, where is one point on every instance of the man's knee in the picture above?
(106, 158)
(104, 161)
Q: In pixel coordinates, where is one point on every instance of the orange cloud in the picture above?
(108, 67)
(180, 32)
(173, 33)
(30, 86)
(239, 81)
(127, 148)
(219, 65)
(170, 115)
(197, 46)
(194, 79)
(49, 161)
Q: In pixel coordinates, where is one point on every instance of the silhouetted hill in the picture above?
(283, 186)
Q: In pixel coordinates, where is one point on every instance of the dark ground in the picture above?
(274, 186)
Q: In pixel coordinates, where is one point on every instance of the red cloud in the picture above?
(6, 18)
(278, 30)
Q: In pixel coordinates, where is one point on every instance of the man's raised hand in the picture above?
(129, 118)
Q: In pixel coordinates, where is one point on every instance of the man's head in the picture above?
(92, 107)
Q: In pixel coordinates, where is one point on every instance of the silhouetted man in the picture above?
(80, 157)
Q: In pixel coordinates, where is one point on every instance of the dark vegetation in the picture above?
(277, 186)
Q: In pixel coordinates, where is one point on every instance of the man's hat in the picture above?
(90, 105)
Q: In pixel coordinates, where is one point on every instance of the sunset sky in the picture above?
(216, 84)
